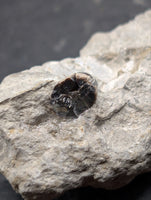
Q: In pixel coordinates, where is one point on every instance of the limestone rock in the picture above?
(43, 154)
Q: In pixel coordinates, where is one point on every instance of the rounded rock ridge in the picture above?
(74, 95)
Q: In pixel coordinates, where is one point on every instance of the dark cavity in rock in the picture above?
(74, 95)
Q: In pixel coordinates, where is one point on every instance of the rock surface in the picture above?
(43, 155)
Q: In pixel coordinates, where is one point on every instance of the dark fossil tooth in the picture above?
(74, 95)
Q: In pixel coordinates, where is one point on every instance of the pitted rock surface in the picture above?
(43, 155)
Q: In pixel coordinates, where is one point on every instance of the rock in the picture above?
(43, 154)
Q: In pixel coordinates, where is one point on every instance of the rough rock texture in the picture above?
(42, 155)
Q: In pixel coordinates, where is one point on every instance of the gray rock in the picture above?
(43, 154)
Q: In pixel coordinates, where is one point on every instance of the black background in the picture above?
(35, 31)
